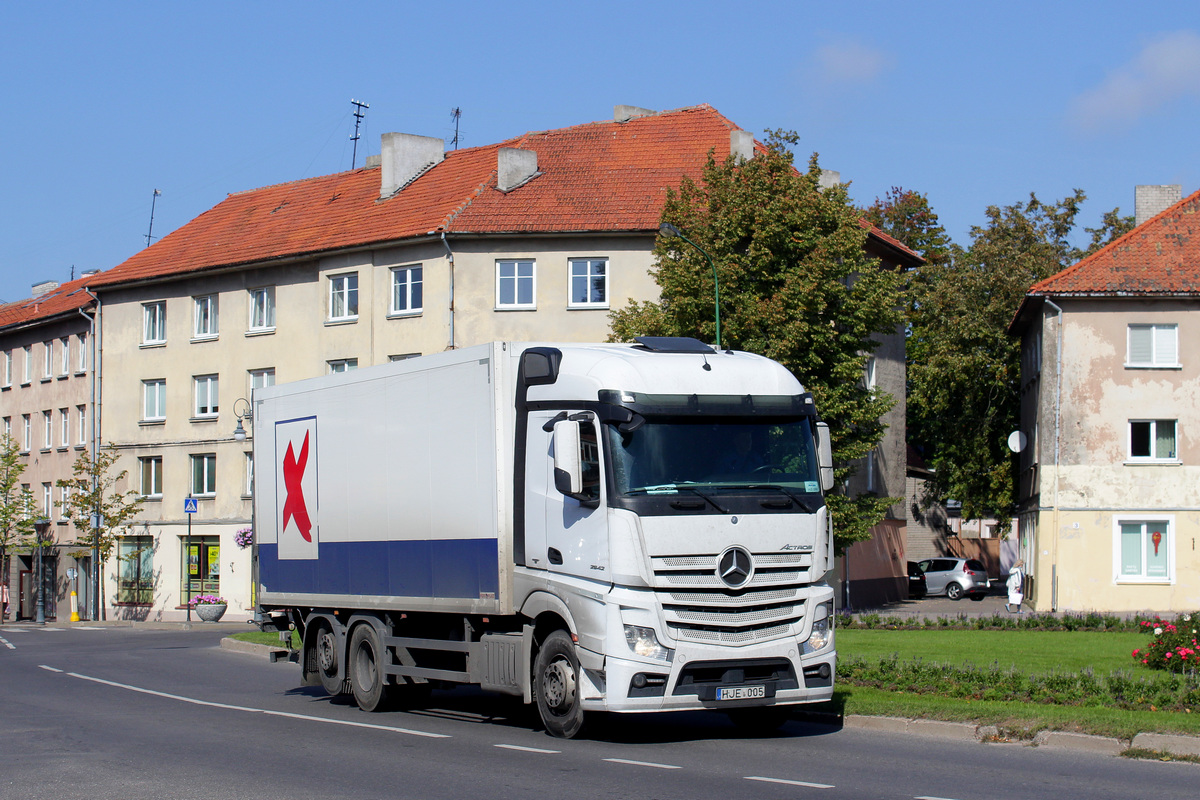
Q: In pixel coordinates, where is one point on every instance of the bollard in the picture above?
(74, 606)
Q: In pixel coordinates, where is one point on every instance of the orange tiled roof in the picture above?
(601, 176)
(65, 298)
(1159, 257)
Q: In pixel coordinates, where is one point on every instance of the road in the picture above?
(129, 713)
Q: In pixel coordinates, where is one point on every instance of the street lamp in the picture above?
(669, 230)
(41, 527)
(239, 433)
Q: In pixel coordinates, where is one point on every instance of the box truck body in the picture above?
(591, 527)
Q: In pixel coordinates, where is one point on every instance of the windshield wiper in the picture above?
(667, 487)
(800, 501)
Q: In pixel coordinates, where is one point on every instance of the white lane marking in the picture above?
(8, 644)
(790, 783)
(525, 749)
(268, 712)
(927, 797)
(48, 669)
(642, 763)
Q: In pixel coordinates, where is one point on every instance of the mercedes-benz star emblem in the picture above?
(735, 567)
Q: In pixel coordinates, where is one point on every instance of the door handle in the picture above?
(554, 556)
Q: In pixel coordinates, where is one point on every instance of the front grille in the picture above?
(702, 677)
(707, 610)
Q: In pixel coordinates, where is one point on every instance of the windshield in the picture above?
(670, 454)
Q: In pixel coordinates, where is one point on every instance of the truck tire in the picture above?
(556, 686)
(367, 678)
(326, 646)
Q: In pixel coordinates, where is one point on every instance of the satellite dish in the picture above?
(1016, 441)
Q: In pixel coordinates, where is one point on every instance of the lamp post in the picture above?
(239, 433)
(40, 527)
(669, 230)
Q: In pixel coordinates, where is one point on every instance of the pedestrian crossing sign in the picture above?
(189, 505)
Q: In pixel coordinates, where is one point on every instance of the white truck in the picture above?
(617, 527)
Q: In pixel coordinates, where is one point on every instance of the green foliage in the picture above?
(94, 490)
(1087, 621)
(16, 521)
(906, 216)
(1174, 647)
(795, 286)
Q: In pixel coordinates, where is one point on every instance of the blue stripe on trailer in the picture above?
(449, 568)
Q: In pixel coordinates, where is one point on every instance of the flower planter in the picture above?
(210, 612)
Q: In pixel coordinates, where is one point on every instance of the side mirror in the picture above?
(568, 467)
(824, 456)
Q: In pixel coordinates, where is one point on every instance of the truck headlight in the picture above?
(822, 628)
(643, 642)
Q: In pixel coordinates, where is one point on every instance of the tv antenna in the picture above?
(150, 232)
(455, 113)
(359, 113)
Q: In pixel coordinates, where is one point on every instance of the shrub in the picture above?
(1174, 647)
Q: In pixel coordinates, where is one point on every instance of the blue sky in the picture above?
(972, 104)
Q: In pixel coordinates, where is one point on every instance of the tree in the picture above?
(16, 521)
(906, 216)
(964, 368)
(94, 496)
(795, 286)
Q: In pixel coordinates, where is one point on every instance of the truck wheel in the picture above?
(367, 679)
(327, 660)
(556, 686)
(954, 591)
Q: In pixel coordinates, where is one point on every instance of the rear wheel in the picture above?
(954, 591)
(556, 686)
(327, 660)
(367, 678)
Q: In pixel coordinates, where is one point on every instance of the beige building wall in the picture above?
(303, 343)
(1098, 484)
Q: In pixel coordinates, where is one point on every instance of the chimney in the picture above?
(626, 113)
(1149, 201)
(514, 167)
(44, 287)
(404, 156)
(87, 273)
(830, 178)
(741, 145)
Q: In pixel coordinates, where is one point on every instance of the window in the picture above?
(248, 489)
(26, 432)
(206, 317)
(48, 430)
(26, 376)
(154, 323)
(343, 297)
(869, 376)
(1153, 346)
(1145, 550)
(65, 346)
(406, 290)
(589, 282)
(64, 424)
(343, 365)
(8, 367)
(83, 354)
(403, 356)
(262, 308)
(204, 474)
(135, 570)
(151, 471)
(260, 378)
(154, 407)
(1152, 440)
(83, 432)
(515, 284)
(8, 426)
(47, 501)
(48, 359)
(203, 572)
(207, 396)
(64, 499)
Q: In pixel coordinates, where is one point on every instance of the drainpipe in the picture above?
(1057, 440)
(450, 260)
(94, 444)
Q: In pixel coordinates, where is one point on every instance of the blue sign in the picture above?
(189, 505)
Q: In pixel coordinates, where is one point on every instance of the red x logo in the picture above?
(293, 473)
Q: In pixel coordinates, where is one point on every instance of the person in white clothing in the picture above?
(1016, 583)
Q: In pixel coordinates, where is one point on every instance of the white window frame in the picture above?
(83, 432)
(1152, 458)
(1147, 521)
(206, 396)
(28, 375)
(1164, 346)
(155, 477)
(262, 310)
(26, 432)
(65, 366)
(587, 276)
(407, 282)
(248, 489)
(48, 500)
(83, 354)
(64, 422)
(64, 497)
(208, 470)
(339, 365)
(206, 316)
(48, 425)
(160, 400)
(502, 265)
(342, 293)
(261, 378)
(48, 359)
(154, 322)
(8, 359)
(8, 427)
